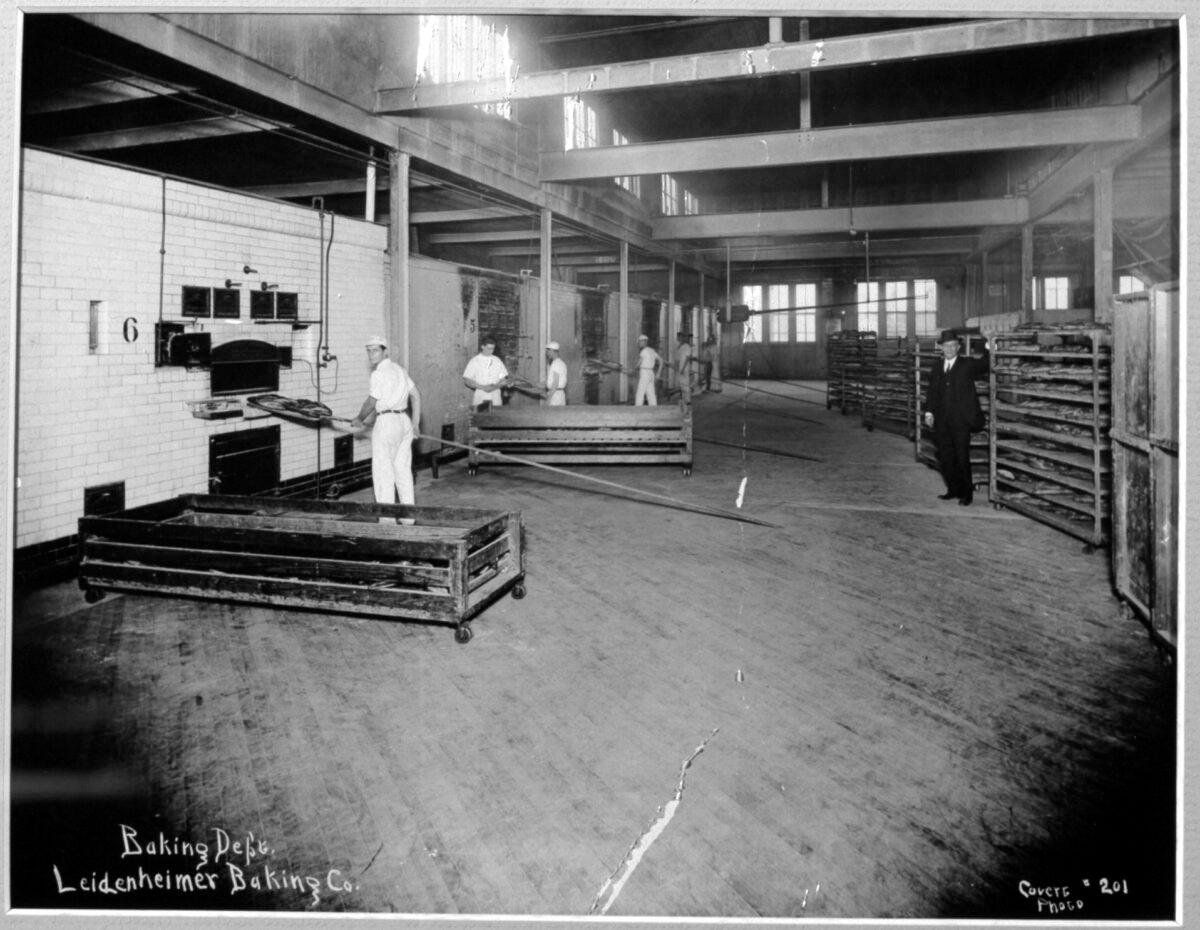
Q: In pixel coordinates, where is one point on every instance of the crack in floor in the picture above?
(612, 886)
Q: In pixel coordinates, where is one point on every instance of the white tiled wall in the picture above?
(95, 233)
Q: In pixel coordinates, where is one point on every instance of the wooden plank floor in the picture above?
(910, 708)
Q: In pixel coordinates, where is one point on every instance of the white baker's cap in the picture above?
(376, 341)
(643, 338)
(552, 345)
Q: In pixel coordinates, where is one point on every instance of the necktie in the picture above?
(946, 369)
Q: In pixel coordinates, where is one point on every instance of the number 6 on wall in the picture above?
(130, 329)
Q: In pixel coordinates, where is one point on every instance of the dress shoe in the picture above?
(947, 497)
(964, 502)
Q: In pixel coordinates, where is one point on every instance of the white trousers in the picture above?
(645, 388)
(557, 398)
(391, 458)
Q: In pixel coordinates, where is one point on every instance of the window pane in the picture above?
(925, 302)
(460, 48)
(777, 323)
(806, 313)
(1129, 284)
(1056, 293)
(868, 306)
(752, 298)
(896, 309)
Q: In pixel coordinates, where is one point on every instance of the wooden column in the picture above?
(546, 259)
(369, 209)
(397, 315)
(775, 30)
(623, 324)
(805, 86)
(666, 338)
(1102, 254)
(1027, 273)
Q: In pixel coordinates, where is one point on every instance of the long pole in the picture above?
(504, 456)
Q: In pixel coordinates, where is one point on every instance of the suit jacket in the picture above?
(952, 398)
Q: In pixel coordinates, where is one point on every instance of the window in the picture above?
(777, 323)
(805, 314)
(677, 199)
(1050, 294)
(925, 302)
(464, 48)
(868, 306)
(669, 189)
(896, 309)
(752, 298)
(1129, 284)
(579, 125)
(631, 183)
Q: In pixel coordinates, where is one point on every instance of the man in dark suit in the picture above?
(952, 410)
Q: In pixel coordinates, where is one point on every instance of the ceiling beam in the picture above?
(316, 188)
(511, 251)
(584, 267)
(1005, 211)
(464, 216)
(760, 61)
(1158, 112)
(158, 33)
(498, 235)
(852, 247)
(211, 128)
(1034, 129)
(102, 93)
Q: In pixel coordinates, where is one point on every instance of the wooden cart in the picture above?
(446, 566)
(583, 435)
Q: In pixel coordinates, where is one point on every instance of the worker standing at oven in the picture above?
(556, 376)
(389, 393)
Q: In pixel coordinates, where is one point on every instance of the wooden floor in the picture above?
(906, 709)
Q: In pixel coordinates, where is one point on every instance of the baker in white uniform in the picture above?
(388, 395)
(485, 374)
(556, 377)
(648, 362)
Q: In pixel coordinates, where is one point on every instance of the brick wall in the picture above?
(93, 233)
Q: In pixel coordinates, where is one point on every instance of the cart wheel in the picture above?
(1088, 548)
(518, 591)
(687, 471)
(995, 506)
(92, 595)
(471, 469)
(463, 634)
(870, 428)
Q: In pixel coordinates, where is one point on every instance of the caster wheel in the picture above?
(687, 473)
(92, 595)
(472, 469)
(1088, 549)
(870, 429)
(463, 634)
(518, 591)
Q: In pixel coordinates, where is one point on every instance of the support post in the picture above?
(623, 325)
(398, 317)
(546, 259)
(1102, 254)
(1027, 273)
(369, 210)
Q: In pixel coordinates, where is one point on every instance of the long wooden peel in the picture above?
(753, 448)
(685, 505)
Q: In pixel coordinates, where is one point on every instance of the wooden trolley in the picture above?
(446, 566)
(584, 435)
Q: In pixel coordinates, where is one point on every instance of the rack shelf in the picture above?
(888, 391)
(1049, 449)
(846, 384)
